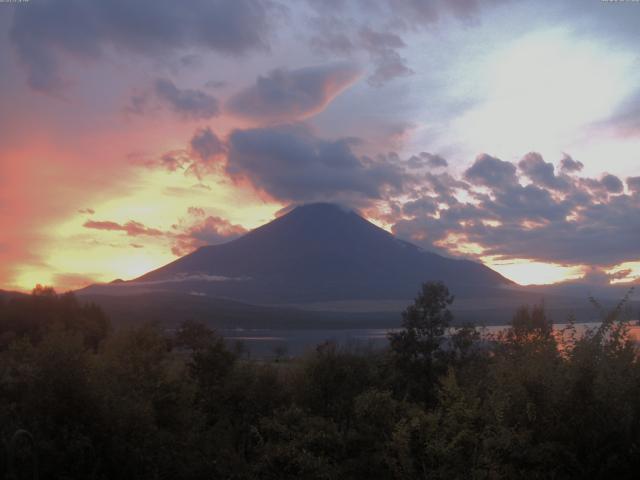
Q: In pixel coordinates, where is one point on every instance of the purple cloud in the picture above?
(49, 30)
(292, 164)
(286, 95)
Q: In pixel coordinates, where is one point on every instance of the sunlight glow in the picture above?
(625, 273)
(77, 256)
(544, 87)
(527, 272)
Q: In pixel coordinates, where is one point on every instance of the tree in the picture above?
(417, 349)
(194, 336)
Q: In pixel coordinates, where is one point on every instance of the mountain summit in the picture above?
(316, 252)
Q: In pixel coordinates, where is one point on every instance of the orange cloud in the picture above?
(131, 228)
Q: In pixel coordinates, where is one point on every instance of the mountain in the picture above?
(315, 253)
(8, 295)
(315, 267)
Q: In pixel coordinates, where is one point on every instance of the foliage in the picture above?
(439, 403)
(416, 350)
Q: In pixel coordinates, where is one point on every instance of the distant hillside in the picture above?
(6, 294)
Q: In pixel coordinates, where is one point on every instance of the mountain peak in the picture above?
(320, 210)
(318, 207)
(316, 252)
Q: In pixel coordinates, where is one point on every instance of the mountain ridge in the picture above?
(316, 252)
(316, 266)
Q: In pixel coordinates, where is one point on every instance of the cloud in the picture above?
(206, 144)
(131, 228)
(633, 183)
(286, 95)
(87, 211)
(189, 104)
(383, 49)
(541, 173)
(491, 172)
(339, 28)
(606, 185)
(611, 183)
(568, 164)
(292, 164)
(206, 152)
(213, 84)
(429, 160)
(196, 230)
(48, 31)
(203, 155)
(210, 230)
(591, 221)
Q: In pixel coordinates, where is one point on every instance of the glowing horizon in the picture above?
(516, 147)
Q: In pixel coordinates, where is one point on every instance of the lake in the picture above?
(263, 343)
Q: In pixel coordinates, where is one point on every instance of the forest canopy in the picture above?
(80, 400)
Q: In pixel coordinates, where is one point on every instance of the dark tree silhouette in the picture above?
(417, 349)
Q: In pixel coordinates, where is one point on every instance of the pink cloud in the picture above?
(208, 231)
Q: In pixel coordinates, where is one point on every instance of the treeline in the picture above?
(92, 403)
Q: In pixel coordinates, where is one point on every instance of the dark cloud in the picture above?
(541, 173)
(87, 211)
(428, 160)
(590, 222)
(200, 230)
(444, 185)
(633, 183)
(422, 206)
(568, 164)
(84, 29)
(206, 144)
(206, 152)
(204, 155)
(131, 228)
(621, 274)
(611, 183)
(601, 188)
(434, 161)
(601, 234)
(286, 95)
(491, 172)
(292, 164)
(189, 104)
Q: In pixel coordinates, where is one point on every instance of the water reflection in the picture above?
(265, 343)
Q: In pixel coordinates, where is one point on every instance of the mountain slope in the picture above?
(317, 252)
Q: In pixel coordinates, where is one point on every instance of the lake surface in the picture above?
(263, 343)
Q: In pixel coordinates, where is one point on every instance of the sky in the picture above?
(132, 133)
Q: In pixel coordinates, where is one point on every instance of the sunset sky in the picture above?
(132, 132)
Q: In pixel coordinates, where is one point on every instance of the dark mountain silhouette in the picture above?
(319, 266)
(317, 252)
(8, 295)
